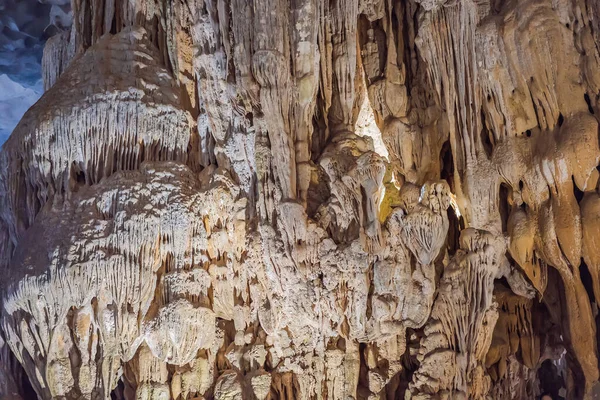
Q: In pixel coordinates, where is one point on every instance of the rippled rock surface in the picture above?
(271, 199)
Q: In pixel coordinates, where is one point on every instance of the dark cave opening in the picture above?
(550, 379)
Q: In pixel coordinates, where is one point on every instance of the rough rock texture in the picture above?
(305, 199)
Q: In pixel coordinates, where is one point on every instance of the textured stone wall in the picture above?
(306, 199)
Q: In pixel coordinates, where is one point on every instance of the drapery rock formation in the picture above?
(305, 199)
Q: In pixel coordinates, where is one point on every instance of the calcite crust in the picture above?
(304, 199)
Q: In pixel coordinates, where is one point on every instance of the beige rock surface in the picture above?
(304, 199)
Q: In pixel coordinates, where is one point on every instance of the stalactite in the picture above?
(303, 199)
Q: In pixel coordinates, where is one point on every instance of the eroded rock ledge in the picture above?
(353, 199)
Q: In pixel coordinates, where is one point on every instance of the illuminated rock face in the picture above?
(355, 199)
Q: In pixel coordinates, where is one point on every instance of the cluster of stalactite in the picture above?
(298, 199)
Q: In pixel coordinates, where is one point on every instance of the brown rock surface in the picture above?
(304, 199)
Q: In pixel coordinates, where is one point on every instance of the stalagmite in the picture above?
(299, 199)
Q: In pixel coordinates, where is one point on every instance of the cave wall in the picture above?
(305, 199)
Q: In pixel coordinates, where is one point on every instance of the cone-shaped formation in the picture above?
(114, 108)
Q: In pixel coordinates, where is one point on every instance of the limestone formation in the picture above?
(304, 199)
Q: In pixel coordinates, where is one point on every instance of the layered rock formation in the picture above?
(350, 199)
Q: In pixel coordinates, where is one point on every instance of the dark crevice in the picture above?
(363, 375)
(453, 232)
(561, 120)
(589, 103)
(535, 109)
(447, 165)
(402, 12)
(586, 280)
(576, 191)
(549, 379)
(86, 27)
(119, 392)
(28, 392)
(486, 137)
(369, 311)
(320, 128)
(80, 178)
(113, 24)
(503, 206)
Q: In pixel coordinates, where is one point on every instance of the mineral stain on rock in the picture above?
(306, 199)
